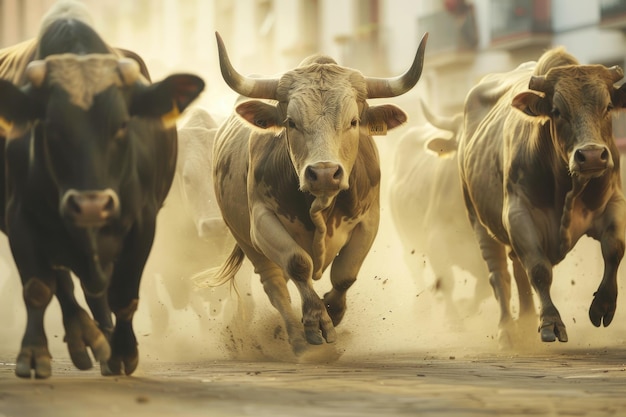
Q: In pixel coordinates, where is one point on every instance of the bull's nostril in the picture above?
(310, 174)
(109, 206)
(579, 156)
(605, 155)
(338, 174)
(73, 206)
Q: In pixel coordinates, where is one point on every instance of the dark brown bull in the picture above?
(539, 169)
(89, 155)
(298, 182)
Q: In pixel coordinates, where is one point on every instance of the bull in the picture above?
(89, 152)
(297, 179)
(427, 209)
(539, 168)
(189, 227)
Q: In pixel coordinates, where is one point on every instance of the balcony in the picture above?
(519, 24)
(613, 14)
(452, 35)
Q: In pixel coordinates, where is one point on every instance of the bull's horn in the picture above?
(616, 73)
(246, 86)
(36, 72)
(129, 70)
(537, 82)
(392, 87)
(450, 123)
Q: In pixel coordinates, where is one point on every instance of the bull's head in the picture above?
(89, 114)
(578, 100)
(323, 112)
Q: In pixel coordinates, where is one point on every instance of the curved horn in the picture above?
(450, 123)
(246, 86)
(129, 70)
(36, 72)
(616, 73)
(537, 82)
(392, 87)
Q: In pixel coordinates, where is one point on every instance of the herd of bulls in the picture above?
(90, 153)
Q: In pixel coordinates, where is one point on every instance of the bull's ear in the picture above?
(17, 109)
(619, 97)
(259, 114)
(168, 98)
(380, 119)
(532, 103)
(442, 147)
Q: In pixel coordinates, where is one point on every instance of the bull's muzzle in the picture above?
(324, 177)
(92, 208)
(591, 160)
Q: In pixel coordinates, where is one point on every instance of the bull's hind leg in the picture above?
(80, 330)
(34, 354)
(494, 254)
(527, 319)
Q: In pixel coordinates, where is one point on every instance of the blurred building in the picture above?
(468, 38)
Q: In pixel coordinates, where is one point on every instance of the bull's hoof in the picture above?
(81, 331)
(601, 311)
(314, 336)
(116, 364)
(335, 307)
(550, 332)
(37, 359)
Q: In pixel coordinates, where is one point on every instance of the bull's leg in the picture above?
(34, 354)
(124, 297)
(527, 308)
(277, 245)
(494, 255)
(80, 329)
(347, 264)
(39, 285)
(526, 243)
(604, 302)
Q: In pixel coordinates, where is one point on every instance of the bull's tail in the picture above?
(214, 277)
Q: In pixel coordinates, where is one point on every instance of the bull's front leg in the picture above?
(273, 240)
(604, 302)
(39, 285)
(347, 264)
(123, 297)
(80, 330)
(34, 354)
(527, 244)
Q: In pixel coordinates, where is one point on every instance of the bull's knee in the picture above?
(127, 313)
(36, 293)
(300, 267)
(541, 276)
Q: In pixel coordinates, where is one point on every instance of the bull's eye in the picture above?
(291, 124)
(609, 107)
(354, 123)
(556, 112)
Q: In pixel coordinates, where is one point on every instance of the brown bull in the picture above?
(539, 169)
(298, 182)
